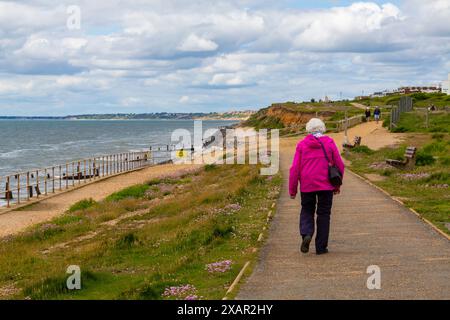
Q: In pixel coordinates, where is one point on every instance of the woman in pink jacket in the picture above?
(310, 169)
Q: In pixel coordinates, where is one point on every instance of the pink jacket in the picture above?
(310, 167)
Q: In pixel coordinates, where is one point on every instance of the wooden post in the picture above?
(346, 127)
(18, 188)
(67, 175)
(85, 171)
(28, 187)
(45, 181)
(7, 192)
(60, 178)
(427, 118)
(37, 184)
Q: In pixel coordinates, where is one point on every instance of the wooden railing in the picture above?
(24, 186)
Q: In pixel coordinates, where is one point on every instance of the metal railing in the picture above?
(24, 186)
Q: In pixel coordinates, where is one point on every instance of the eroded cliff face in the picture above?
(289, 117)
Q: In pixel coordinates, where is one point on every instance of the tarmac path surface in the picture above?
(368, 228)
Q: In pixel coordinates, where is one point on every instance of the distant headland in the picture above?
(230, 115)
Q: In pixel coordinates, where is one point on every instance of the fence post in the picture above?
(53, 179)
(7, 194)
(28, 186)
(18, 188)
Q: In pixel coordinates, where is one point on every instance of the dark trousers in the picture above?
(323, 200)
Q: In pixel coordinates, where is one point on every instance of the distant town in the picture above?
(444, 87)
(230, 115)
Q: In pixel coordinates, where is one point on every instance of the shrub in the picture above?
(127, 241)
(137, 191)
(419, 96)
(210, 167)
(424, 159)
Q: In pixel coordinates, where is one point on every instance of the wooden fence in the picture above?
(24, 186)
(341, 125)
(405, 105)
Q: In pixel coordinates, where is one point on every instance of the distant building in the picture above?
(406, 90)
(409, 90)
(446, 86)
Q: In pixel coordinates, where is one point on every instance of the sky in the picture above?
(203, 56)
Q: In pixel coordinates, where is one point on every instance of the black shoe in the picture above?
(304, 248)
(322, 252)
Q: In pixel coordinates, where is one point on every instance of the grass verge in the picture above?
(174, 238)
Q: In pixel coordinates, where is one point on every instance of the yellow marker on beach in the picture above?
(181, 153)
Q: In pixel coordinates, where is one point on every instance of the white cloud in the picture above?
(220, 54)
(130, 101)
(184, 99)
(194, 43)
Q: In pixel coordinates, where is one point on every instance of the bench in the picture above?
(410, 156)
(355, 144)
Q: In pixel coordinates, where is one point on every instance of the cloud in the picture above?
(151, 56)
(184, 99)
(194, 43)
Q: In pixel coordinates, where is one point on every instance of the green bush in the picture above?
(127, 241)
(137, 191)
(419, 96)
(424, 159)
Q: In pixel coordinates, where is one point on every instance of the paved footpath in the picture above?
(367, 228)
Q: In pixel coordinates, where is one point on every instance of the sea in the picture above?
(32, 144)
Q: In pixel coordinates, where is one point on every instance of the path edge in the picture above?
(442, 233)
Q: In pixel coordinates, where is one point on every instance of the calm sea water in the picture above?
(28, 144)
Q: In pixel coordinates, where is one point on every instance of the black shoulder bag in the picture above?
(334, 175)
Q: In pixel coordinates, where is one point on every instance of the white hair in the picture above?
(315, 125)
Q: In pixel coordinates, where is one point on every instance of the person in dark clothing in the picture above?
(368, 114)
(377, 114)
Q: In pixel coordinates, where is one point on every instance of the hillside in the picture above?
(291, 114)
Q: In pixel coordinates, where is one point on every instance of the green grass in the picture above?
(168, 244)
(82, 205)
(416, 122)
(421, 100)
(137, 191)
(426, 193)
